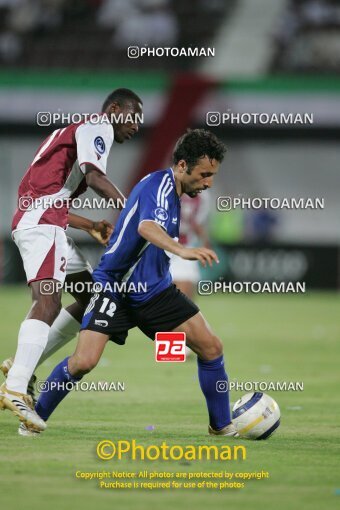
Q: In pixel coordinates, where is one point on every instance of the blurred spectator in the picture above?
(113, 12)
(139, 22)
(10, 46)
(9, 3)
(30, 15)
(308, 37)
(320, 12)
(25, 16)
(76, 33)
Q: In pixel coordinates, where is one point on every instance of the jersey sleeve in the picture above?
(154, 203)
(94, 142)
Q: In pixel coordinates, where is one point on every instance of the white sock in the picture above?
(32, 339)
(63, 329)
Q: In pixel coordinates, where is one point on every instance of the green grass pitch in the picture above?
(279, 338)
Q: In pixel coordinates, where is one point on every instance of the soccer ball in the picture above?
(256, 416)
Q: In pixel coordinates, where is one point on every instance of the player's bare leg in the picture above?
(63, 329)
(86, 356)
(33, 336)
(211, 373)
(200, 338)
(89, 350)
(67, 324)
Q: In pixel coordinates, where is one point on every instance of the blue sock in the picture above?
(59, 383)
(212, 376)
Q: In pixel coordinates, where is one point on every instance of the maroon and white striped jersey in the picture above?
(194, 211)
(56, 173)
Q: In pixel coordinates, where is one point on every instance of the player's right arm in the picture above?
(94, 142)
(155, 234)
(101, 231)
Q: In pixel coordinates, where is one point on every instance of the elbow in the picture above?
(145, 229)
(91, 179)
(141, 229)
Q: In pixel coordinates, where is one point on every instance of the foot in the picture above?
(6, 365)
(22, 406)
(228, 430)
(23, 430)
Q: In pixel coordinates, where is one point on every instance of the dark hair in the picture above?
(121, 96)
(197, 143)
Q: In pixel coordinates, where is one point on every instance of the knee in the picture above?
(55, 306)
(80, 365)
(213, 349)
(48, 307)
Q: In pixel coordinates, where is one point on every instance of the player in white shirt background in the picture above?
(67, 162)
(193, 232)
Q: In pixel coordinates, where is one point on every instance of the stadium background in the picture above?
(271, 56)
(65, 57)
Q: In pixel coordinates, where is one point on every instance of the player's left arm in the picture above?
(154, 220)
(100, 230)
(155, 234)
(102, 185)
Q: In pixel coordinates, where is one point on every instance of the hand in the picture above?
(101, 231)
(204, 255)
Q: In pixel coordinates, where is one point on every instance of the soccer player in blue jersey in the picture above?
(146, 234)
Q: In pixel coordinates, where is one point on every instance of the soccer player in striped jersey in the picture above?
(146, 233)
(68, 161)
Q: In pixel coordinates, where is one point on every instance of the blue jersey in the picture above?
(131, 266)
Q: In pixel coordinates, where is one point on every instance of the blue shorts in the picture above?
(114, 318)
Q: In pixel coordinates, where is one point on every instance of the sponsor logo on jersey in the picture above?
(161, 214)
(99, 144)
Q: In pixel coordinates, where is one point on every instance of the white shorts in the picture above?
(184, 270)
(47, 253)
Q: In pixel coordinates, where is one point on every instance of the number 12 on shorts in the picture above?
(170, 346)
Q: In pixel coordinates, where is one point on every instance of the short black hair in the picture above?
(196, 144)
(121, 96)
